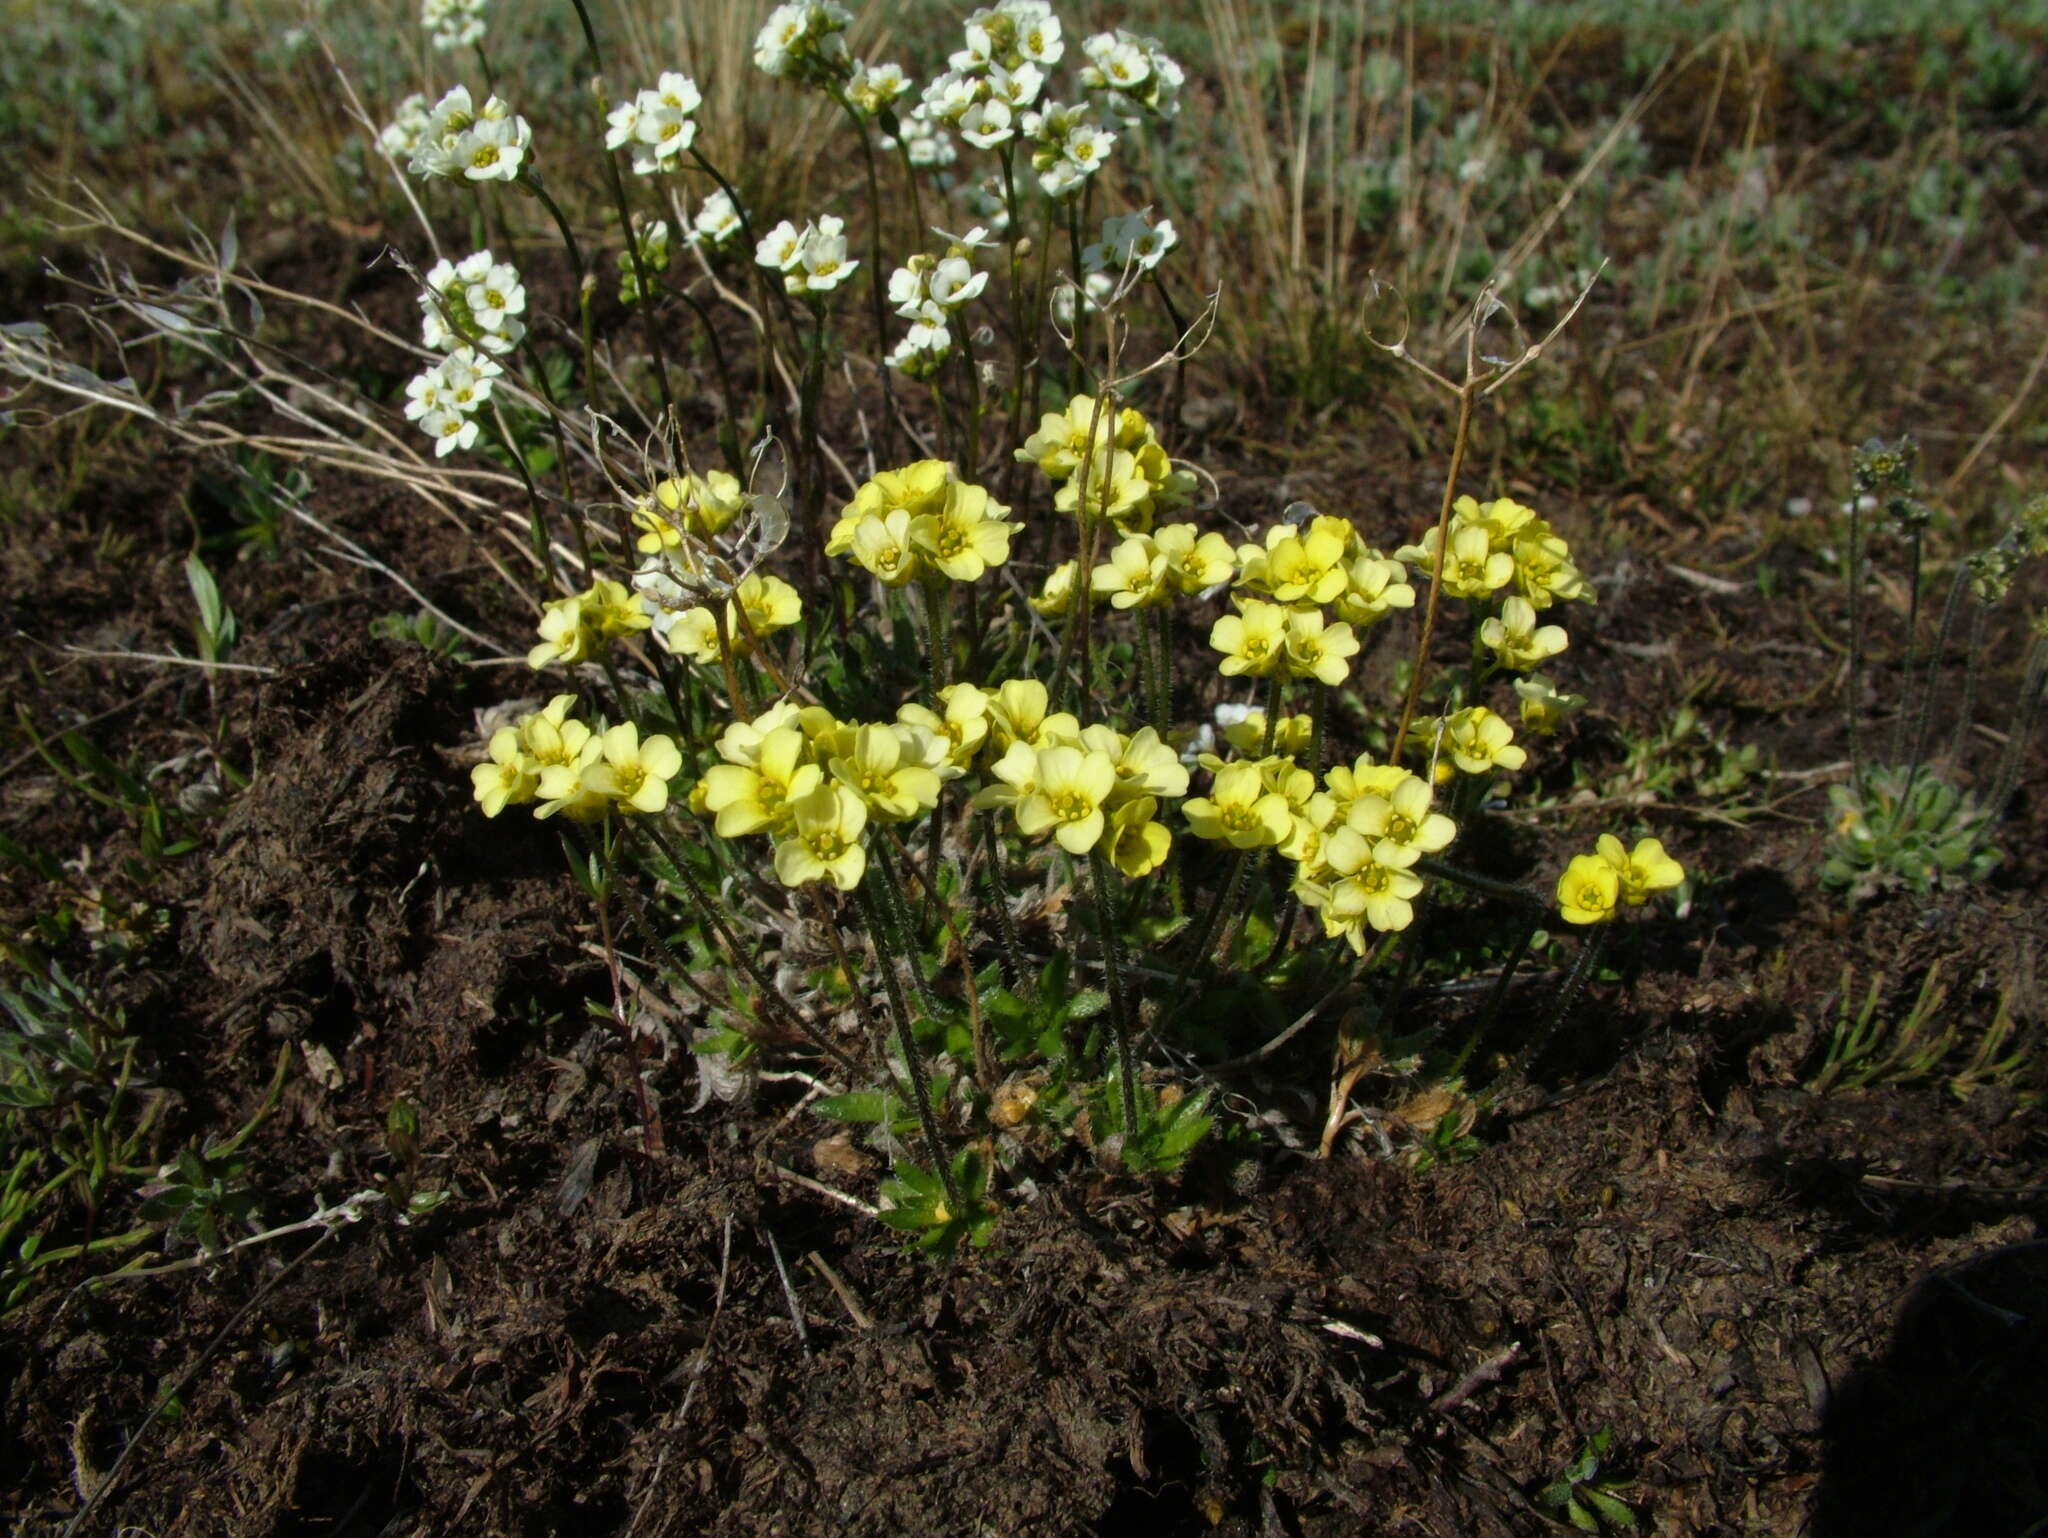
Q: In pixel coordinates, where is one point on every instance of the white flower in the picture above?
(873, 87)
(1134, 73)
(781, 248)
(466, 380)
(452, 24)
(1019, 87)
(424, 393)
(434, 154)
(498, 294)
(923, 348)
(717, 222)
(1039, 40)
(987, 124)
(805, 42)
(954, 281)
(401, 139)
(823, 258)
(494, 147)
(450, 430)
(1130, 240)
(1087, 147)
(909, 293)
(620, 124)
(976, 237)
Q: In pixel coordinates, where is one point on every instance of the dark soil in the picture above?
(1790, 1310)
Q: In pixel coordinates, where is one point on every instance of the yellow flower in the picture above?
(564, 635)
(1253, 640)
(1517, 640)
(562, 787)
(768, 603)
(746, 798)
(964, 726)
(701, 505)
(1063, 436)
(1134, 577)
(1017, 713)
(632, 773)
(549, 737)
(917, 489)
(967, 535)
(1366, 885)
(1290, 739)
(824, 841)
(1362, 777)
(886, 769)
(1056, 599)
(1402, 817)
(1587, 891)
(1543, 708)
(1475, 569)
(883, 545)
(1296, 567)
(1068, 789)
(1318, 650)
(1194, 564)
(1374, 587)
(1240, 811)
(1145, 766)
(1480, 742)
(1544, 573)
(1641, 871)
(614, 610)
(1137, 843)
(1116, 487)
(509, 778)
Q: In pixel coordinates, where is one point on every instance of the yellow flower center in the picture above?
(827, 846)
(1237, 817)
(950, 541)
(486, 155)
(1070, 806)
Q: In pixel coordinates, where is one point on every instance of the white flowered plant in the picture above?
(401, 136)
(445, 399)
(658, 124)
(475, 303)
(1130, 242)
(1133, 75)
(459, 140)
(452, 24)
(716, 222)
(805, 42)
(812, 260)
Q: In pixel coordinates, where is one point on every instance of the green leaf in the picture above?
(861, 1105)
(1610, 1508)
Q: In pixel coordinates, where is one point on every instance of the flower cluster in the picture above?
(812, 260)
(582, 772)
(716, 221)
(452, 24)
(1112, 458)
(1497, 544)
(1090, 787)
(921, 520)
(444, 399)
(1594, 885)
(1148, 571)
(760, 606)
(1133, 75)
(1296, 573)
(475, 302)
(1355, 871)
(580, 627)
(813, 783)
(928, 292)
(658, 124)
(874, 89)
(1129, 243)
(481, 145)
(1068, 146)
(400, 138)
(805, 41)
